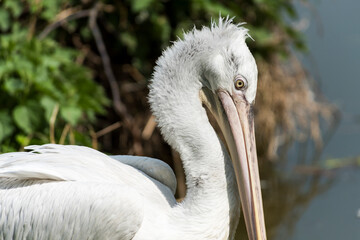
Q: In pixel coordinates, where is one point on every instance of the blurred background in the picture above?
(76, 72)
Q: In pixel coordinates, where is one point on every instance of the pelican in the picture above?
(73, 192)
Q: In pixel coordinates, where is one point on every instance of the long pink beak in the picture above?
(242, 147)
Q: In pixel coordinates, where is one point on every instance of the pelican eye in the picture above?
(240, 83)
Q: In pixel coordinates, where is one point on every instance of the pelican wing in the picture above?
(63, 162)
(44, 209)
(155, 168)
(64, 192)
(76, 163)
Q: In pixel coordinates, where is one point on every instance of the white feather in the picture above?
(71, 192)
(77, 163)
(68, 210)
(152, 167)
(76, 186)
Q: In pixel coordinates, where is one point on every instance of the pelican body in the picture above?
(73, 192)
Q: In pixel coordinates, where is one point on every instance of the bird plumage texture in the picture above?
(77, 189)
(71, 192)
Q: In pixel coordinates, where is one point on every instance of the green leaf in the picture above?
(49, 105)
(14, 6)
(27, 117)
(50, 9)
(13, 85)
(3, 69)
(4, 20)
(71, 114)
(5, 147)
(35, 6)
(22, 119)
(23, 140)
(129, 40)
(6, 126)
(139, 5)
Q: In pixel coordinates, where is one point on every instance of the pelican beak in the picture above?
(240, 139)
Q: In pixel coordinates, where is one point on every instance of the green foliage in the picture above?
(36, 78)
(142, 28)
(40, 79)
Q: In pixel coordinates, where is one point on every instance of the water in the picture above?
(326, 205)
(320, 204)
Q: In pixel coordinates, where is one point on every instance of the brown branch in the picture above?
(92, 13)
(149, 128)
(52, 122)
(180, 176)
(32, 27)
(71, 136)
(64, 134)
(53, 26)
(119, 107)
(94, 141)
(108, 129)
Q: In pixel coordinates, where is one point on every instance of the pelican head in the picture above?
(230, 83)
(217, 64)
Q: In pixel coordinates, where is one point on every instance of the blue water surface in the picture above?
(333, 38)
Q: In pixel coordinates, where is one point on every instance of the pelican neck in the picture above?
(211, 196)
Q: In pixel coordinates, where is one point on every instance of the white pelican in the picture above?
(73, 192)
